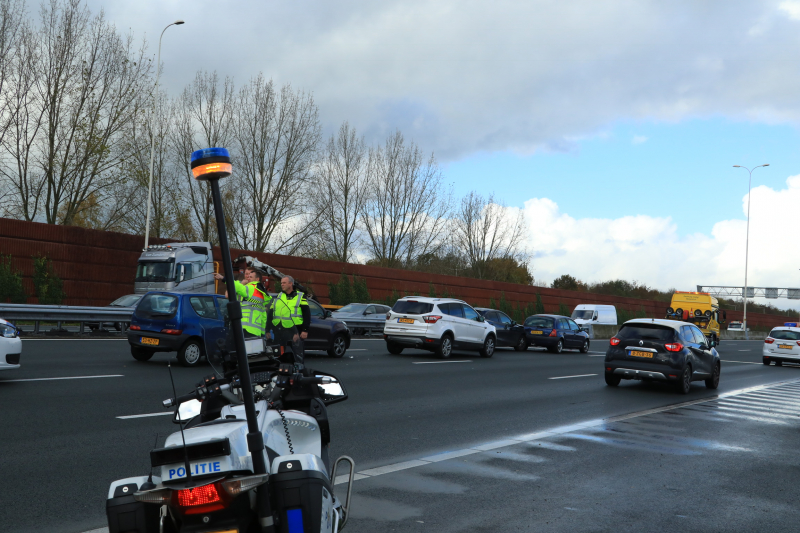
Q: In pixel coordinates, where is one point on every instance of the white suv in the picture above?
(438, 325)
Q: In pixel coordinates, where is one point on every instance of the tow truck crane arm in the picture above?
(266, 270)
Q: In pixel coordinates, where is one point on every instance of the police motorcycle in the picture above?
(251, 455)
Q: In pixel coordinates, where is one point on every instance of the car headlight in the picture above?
(9, 332)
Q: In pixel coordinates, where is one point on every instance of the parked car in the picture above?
(187, 323)
(556, 333)
(129, 300)
(594, 314)
(362, 313)
(509, 333)
(735, 326)
(782, 345)
(671, 351)
(438, 325)
(10, 346)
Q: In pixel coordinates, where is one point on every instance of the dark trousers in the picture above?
(285, 337)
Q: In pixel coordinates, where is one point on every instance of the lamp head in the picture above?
(737, 166)
(178, 22)
(765, 165)
(211, 164)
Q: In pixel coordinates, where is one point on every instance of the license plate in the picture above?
(536, 332)
(148, 340)
(406, 320)
(637, 353)
(785, 346)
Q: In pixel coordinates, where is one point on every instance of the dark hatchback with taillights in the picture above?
(662, 350)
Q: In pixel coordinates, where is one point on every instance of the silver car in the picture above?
(360, 317)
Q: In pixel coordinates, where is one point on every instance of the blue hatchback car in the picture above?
(556, 332)
(177, 322)
(187, 323)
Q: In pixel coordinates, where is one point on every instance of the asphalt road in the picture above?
(63, 441)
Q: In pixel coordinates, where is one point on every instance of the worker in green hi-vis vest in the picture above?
(289, 318)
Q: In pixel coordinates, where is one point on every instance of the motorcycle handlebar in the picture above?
(197, 394)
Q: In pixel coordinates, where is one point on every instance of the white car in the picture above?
(782, 345)
(438, 325)
(10, 346)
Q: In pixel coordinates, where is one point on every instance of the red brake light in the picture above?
(388, 315)
(172, 331)
(769, 340)
(674, 347)
(553, 333)
(135, 328)
(432, 319)
(203, 499)
(614, 341)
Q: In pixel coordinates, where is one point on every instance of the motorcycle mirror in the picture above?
(333, 391)
(186, 411)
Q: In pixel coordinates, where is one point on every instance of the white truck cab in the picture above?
(593, 314)
(176, 267)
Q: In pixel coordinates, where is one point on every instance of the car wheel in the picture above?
(488, 347)
(338, 346)
(394, 349)
(585, 347)
(191, 353)
(779, 363)
(612, 380)
(765, 361)
(141, 354)
(558, 348)
(685, 382)
(118, 326)
(522, 345)
(445, 347)
(713, 382)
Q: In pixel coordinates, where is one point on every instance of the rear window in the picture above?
(539, 322)
(648, 332)
(785, 335)
(411, 307)
(157, 306)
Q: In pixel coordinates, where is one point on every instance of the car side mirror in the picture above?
(327, 314)
(513, 323)
(481, 319)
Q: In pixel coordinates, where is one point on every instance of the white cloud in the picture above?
(649, 250)
(639, 139)
(791, 8)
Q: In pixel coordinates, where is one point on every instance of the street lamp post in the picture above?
(153, 136)
(747, 244)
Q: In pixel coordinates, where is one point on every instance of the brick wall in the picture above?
(98, 267)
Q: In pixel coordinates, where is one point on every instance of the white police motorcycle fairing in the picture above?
(203, 480)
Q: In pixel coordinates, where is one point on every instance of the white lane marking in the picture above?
(436, 362)
(356, 349)
(492, 445)
(29, 339)
(99, 530)
(745, 350)
(144, 415)
(740, 362)
(578, 376)
(69, 377)
(598, 355)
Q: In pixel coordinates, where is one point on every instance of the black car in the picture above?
(556, 333)
(652, 349)
(509, 333)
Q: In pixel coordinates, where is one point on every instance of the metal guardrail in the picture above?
(368, 325)
(64, 313)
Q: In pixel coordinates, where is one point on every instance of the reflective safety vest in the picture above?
(286, 311)
(254, 307)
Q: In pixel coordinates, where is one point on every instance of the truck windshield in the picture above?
(582, 315)
(155, 271)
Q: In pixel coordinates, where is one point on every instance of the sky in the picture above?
(613, 125)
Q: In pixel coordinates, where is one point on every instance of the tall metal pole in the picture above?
(747, 245)
(153, 136)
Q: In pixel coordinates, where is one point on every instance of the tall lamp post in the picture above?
(747, 244)
(153, 136)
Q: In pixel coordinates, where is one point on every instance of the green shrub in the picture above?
(360, 290)
(48, 286)
(11, 288)
(341, 293)
(563, 310)
(539, 307)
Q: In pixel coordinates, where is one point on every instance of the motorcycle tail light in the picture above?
(243, 484)
(431, 319)
(172, 331)
(769, 340)
(614, 341)
(135, 328)
(204, 499)
(674, 347)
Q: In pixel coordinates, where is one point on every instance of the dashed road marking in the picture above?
(436, 362)
(68, 377)
(740, 362)
(146, 415)
(578, 376)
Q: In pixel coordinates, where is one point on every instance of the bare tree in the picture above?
(203, 119)
(276, 138)
(485, 230)
(339, 194)
(406, 213)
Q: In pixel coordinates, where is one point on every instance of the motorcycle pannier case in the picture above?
(299, 499)
(126, 515)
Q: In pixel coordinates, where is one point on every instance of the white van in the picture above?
(594, 314)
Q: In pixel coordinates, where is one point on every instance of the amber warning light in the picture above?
(211, 164)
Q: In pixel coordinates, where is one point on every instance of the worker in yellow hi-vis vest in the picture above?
(289, 318)
(255, 301)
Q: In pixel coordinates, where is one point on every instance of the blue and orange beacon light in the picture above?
(211, 164)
